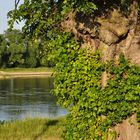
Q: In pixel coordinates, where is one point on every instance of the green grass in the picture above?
(32, 129)
(40, 69)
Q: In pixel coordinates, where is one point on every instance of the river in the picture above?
(22, 98)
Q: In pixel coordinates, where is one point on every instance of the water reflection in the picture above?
(28, 97)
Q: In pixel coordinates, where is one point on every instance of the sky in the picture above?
(5, 7)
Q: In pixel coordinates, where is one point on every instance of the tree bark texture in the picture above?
(111, 35)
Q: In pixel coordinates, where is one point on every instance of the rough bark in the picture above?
(127, 130)
(111, 35)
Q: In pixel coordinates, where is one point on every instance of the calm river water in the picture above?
(28, 97)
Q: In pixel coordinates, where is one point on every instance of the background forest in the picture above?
(17, 51)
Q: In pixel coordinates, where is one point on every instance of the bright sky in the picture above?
(6, 6)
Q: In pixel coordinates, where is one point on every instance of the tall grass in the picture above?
(32, 129)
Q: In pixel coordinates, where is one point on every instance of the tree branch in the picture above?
(16, 3)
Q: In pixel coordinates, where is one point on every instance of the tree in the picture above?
(15, 48)
(93, 79)
(4, 55)
(12, 49)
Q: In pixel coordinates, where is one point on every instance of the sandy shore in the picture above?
(23, 74)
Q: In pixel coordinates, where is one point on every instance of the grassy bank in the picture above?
(25, 72)
(32, 129)
(40, 69)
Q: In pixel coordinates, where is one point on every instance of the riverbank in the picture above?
(32, 129)
(25, 72)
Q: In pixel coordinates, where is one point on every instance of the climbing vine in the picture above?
(93, 109)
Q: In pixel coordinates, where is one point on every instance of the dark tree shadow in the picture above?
(45, 127)
(104, 10)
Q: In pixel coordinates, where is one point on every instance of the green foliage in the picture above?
(93, 109)
(12, 49)
(44, 51)
(43, 16)
(15, 47)
(19, 51)
(31, 54)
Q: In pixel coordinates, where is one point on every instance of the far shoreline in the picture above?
(5, 75)
(15, 73)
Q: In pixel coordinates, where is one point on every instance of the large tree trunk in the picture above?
(128, 129)
(112, 36)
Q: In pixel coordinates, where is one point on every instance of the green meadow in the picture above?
(32, 129)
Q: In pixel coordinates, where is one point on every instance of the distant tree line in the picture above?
(18, 51)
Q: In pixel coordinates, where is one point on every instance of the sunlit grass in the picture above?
(32, 129)
(25, 72)
(39, 69)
